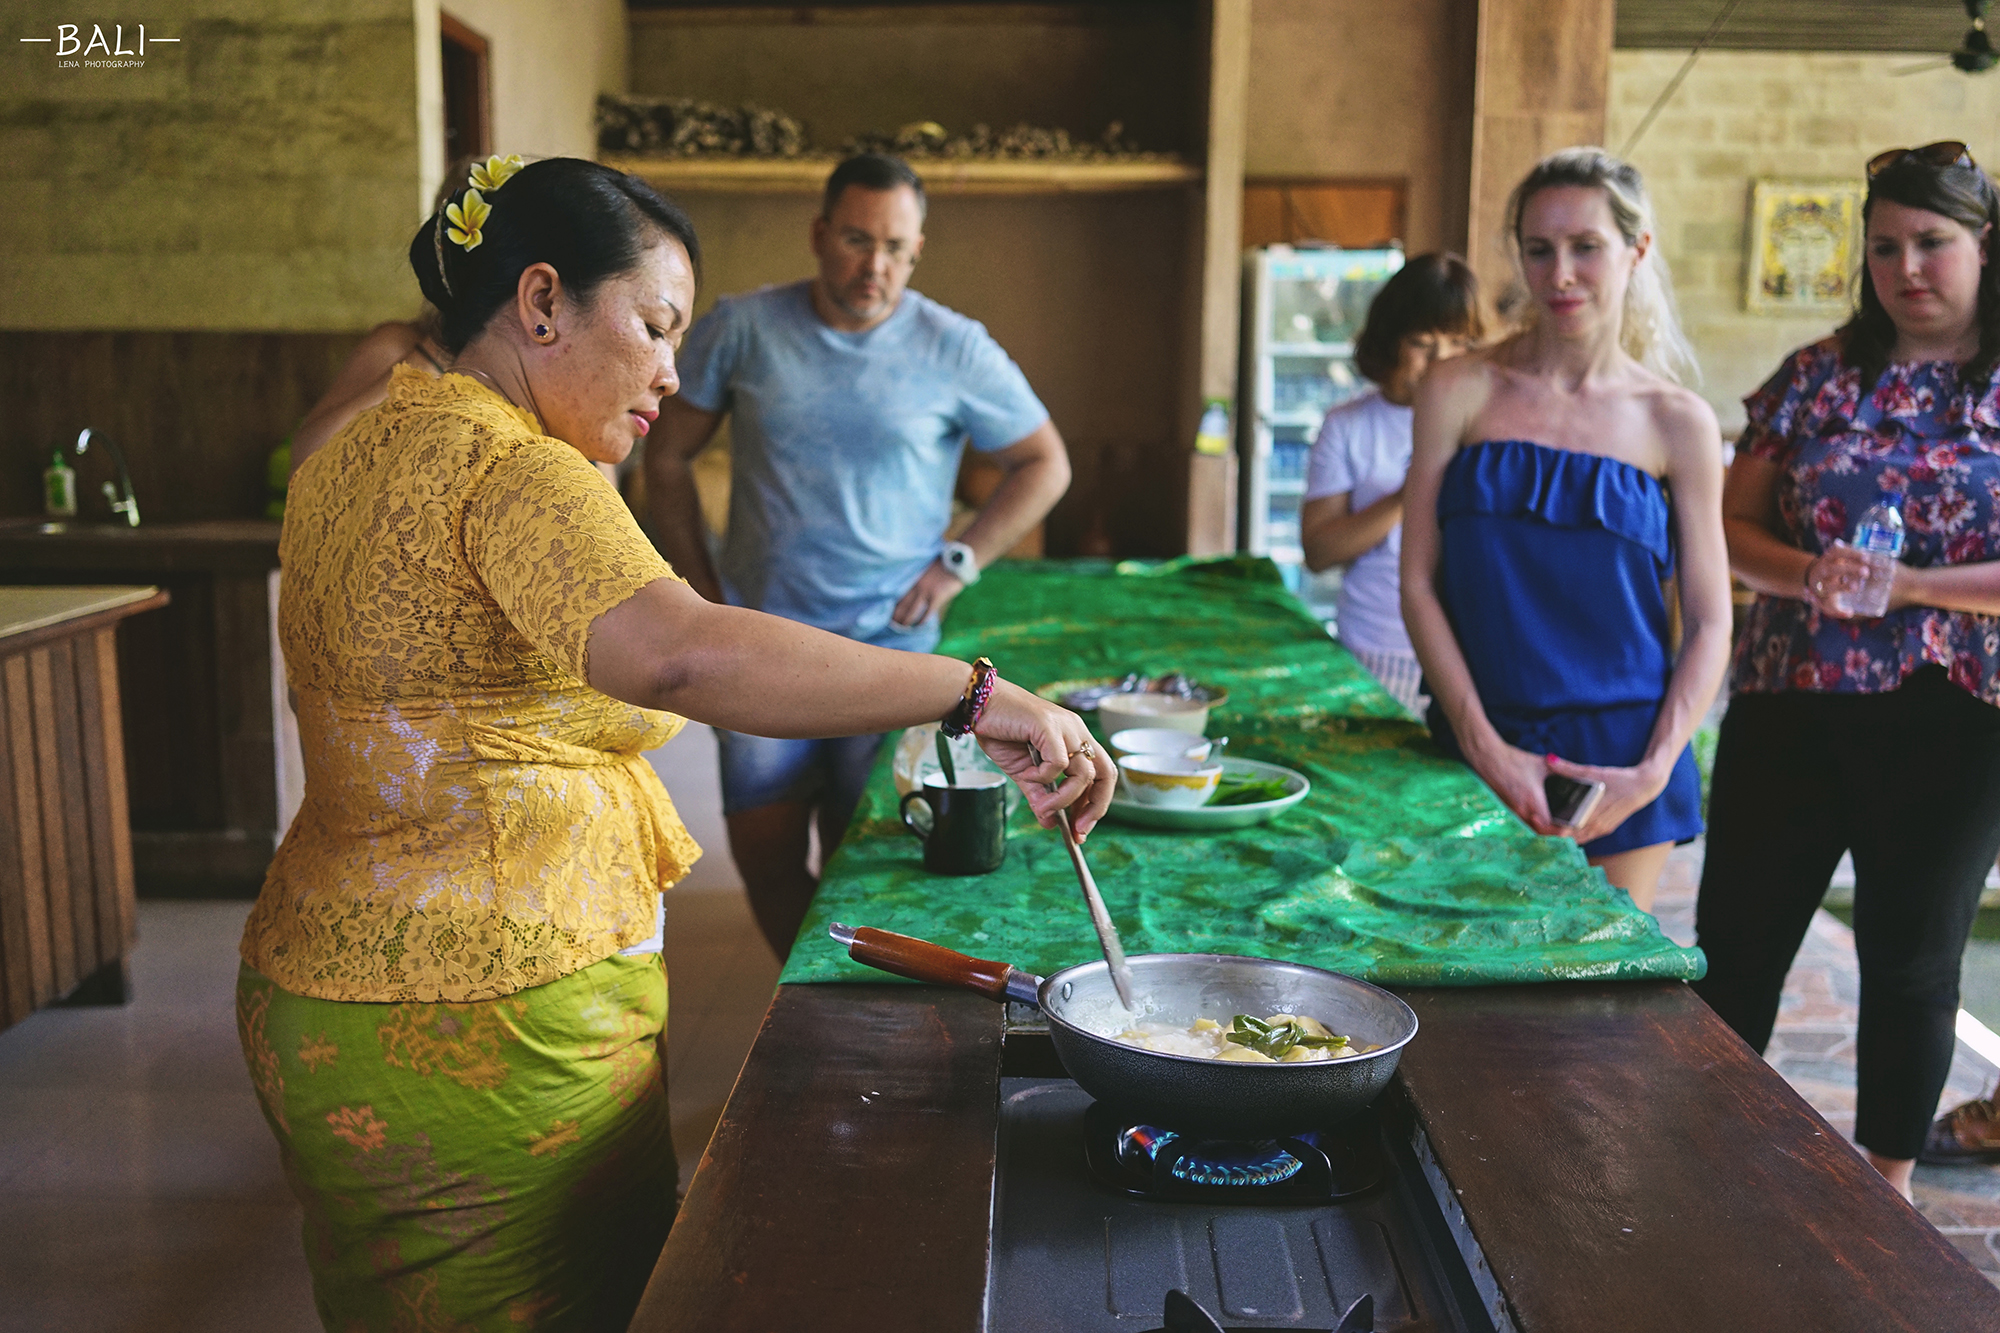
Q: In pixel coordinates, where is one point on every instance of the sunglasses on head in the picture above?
(1943, 153)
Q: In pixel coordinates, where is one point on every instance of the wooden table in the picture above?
(1623, 1161)
(66, 899)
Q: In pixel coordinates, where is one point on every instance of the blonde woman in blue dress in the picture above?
(1559, 481)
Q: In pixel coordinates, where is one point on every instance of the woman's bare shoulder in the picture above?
(1684, 424)
(1463, 382)
(1679, 411)
(1481, 367)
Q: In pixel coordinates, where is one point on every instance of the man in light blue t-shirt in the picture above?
(851, 400)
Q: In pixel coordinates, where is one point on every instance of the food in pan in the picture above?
(1279, 1039)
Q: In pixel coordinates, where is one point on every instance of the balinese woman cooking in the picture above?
(452, 987)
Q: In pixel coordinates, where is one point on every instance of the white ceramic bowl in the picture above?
(1158, 740)
(1169, 782)
(1127, 712)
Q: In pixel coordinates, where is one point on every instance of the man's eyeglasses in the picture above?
(1943, 153)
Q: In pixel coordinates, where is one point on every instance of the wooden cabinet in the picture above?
(66, 886)
(202, 701)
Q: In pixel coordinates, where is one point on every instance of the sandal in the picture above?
(1964, 1135)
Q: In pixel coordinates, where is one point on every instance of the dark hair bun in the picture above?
(583, 219)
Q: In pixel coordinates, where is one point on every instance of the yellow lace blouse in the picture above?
(477, 819)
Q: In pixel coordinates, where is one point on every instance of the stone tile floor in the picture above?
(1813, 1048)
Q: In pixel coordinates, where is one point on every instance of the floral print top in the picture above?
(477, 819)
(1918, 436)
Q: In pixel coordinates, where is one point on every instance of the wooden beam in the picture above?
(1542, 81)
(1211, 500)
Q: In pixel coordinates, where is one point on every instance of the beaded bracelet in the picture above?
(965, 717)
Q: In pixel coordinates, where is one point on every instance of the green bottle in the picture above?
(59, 488)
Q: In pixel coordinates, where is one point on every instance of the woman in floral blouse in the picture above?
(451, 993)
(1878, 737)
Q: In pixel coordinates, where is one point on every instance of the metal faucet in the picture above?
(129, 506)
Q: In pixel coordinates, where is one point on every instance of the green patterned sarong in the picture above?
(470, 1168)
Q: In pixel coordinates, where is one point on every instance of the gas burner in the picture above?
(1151, 1162)
(1232, 1163)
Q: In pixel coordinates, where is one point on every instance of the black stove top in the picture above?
(1096, 1221)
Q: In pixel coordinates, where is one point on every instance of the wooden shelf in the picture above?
(807, 175)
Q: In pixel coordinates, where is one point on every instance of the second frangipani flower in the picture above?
(466, 219)
(493, 173)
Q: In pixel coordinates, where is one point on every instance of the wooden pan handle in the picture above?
(920, 960)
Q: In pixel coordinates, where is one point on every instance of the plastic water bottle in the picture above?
(1879, 537)
(1211, 436)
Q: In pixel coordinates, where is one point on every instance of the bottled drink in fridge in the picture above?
(1879, 537)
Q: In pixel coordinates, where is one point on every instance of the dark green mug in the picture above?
(966, 833)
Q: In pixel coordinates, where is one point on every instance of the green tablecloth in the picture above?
(1399, 867)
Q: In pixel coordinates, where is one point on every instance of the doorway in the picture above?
(467, 102)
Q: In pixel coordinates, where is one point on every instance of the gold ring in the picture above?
(1086, 750)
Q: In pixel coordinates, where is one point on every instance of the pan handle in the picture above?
(920, 960)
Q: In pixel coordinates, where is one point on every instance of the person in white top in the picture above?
(1353, 511)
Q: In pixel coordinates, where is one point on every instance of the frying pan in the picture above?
(1195, 1096)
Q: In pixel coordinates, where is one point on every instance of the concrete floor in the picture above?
(140, 1190)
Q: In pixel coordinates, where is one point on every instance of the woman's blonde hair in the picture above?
(1649, 329)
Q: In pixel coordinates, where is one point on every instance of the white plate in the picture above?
(1207, 817)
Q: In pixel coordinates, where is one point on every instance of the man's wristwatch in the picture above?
(960, 562)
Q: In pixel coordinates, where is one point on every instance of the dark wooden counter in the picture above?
(849, 1184)
(217, 546)
(1625, 1163)
(200, 712)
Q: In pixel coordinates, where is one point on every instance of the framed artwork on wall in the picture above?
(1805, 247)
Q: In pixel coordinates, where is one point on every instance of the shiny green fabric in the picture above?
(478, 1167)
(1401, 866)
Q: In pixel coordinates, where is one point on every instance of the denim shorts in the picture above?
(759, 771)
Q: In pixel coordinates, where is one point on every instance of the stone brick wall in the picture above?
(262, 174)
(1743, 116)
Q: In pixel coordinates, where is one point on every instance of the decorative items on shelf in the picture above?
(681, 127)
(926, 139)
(684, 127)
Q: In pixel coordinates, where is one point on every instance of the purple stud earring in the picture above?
(542, 332)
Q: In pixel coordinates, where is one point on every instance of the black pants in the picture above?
(1909, 782)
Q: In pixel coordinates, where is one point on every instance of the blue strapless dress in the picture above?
(1552, 572)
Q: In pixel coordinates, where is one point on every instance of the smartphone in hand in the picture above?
(1570, 801)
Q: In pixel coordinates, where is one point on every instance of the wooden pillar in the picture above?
(1542, 81)
(1211, 494)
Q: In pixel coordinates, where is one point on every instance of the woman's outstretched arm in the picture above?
(668, 647)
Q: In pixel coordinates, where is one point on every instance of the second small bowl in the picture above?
(1169, 781)
(1123, 712)
(1158, 740)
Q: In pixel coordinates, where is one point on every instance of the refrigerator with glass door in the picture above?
(1303, 309)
